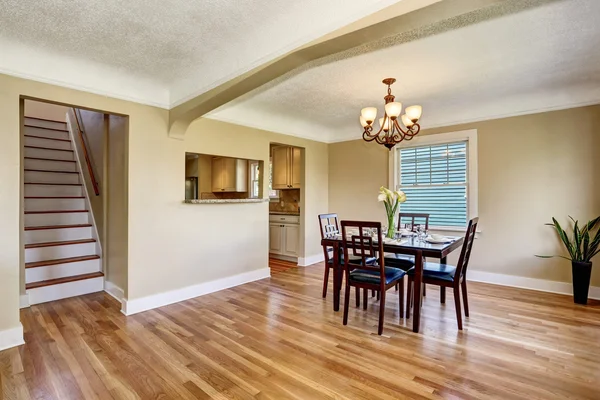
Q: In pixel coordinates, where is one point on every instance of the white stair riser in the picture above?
(53, 144)
(56, 252)
(51, 154)
(50, 165)
(56, 219)
(54, 204)
(57, 235)
(61, 270)
(47, 133)
(44, 124)
(52, 191)
(51, 177)
(65, 290)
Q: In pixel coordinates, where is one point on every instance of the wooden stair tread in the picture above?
(55, 184)
(47, 159)
(54, 197)
(39, 228)
(52, 171)
(62, 243)
(46, 148)
(67, 279)
(48, 138)
(48, 129)
(46, 119)
(55, 212)
(58, 261)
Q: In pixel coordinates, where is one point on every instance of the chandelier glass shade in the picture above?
(391, 131)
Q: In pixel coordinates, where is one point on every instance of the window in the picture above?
(273, 194)
(254, 179)
(438, 175)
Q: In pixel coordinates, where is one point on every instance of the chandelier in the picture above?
(390, 130)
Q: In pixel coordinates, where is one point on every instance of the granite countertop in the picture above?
(284, 213)
(225, 201)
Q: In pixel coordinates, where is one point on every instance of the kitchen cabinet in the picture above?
(284, 235)
(287, 167)
(229, 175)
(275, 236)
(291, 237)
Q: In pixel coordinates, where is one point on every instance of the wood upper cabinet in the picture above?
(287, 167)
(229, 175)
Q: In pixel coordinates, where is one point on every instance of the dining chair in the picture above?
(445, 275)
(362, 275)
(330, 228)
(404, 261)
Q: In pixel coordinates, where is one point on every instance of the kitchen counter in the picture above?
(225, 201)
(284, 213)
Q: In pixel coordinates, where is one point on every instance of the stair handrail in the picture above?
(86, 154)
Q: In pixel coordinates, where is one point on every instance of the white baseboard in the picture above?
(528, 283)
(310, 260)
(135, 306)
(24, 301)
(114, 291)
(11, 337)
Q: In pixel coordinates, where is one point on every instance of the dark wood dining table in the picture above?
(409, 246)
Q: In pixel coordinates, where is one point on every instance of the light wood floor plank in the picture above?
(278, 339)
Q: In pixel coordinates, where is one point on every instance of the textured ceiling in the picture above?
(522, 57)
(172, 49)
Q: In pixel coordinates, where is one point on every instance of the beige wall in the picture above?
(116, 193)
(171, 245)
(531, 168)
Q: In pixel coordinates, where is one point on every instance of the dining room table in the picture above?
(411, 245)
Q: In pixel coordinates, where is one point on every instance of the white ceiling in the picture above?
(536, 59)
(159, 52)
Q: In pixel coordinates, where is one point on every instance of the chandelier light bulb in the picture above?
(363, 122)
(393, 109)
(385, 125)
(369, 114)
(406, 121)
(414, 113)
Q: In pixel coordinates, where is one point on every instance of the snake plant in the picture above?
(581, 247)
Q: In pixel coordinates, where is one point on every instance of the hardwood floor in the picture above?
(278, 339)
(280, 265)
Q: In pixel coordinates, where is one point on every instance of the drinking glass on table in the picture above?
(422, 232)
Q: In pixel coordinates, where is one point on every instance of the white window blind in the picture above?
(435, 181)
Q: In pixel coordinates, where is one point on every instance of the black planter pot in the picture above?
(582, 272)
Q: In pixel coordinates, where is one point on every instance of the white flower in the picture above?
(400, 195)
(381, 197)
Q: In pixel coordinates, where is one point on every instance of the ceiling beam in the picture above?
(181, 117)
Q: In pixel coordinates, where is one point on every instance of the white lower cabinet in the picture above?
(284, 239)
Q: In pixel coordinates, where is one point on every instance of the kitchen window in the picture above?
(438, 173)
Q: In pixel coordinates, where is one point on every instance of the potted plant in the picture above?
(581, 248)
(391, 200)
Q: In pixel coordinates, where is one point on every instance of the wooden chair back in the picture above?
(465, 253)
(329, 227)
(363, 246)
(413, 218)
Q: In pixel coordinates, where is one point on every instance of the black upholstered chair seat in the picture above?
(402, 261)
(370, 260)
(368, 276)
(443, 272)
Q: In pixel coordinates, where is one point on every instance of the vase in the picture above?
(391, 231)
(581, 281)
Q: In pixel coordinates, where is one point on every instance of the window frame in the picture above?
(469, 136)
(251, 165)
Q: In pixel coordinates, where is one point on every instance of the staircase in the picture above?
(61, 253)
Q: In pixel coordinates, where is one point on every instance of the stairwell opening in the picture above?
(74, 208)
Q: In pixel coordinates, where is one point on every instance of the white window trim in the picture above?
(427, 140)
